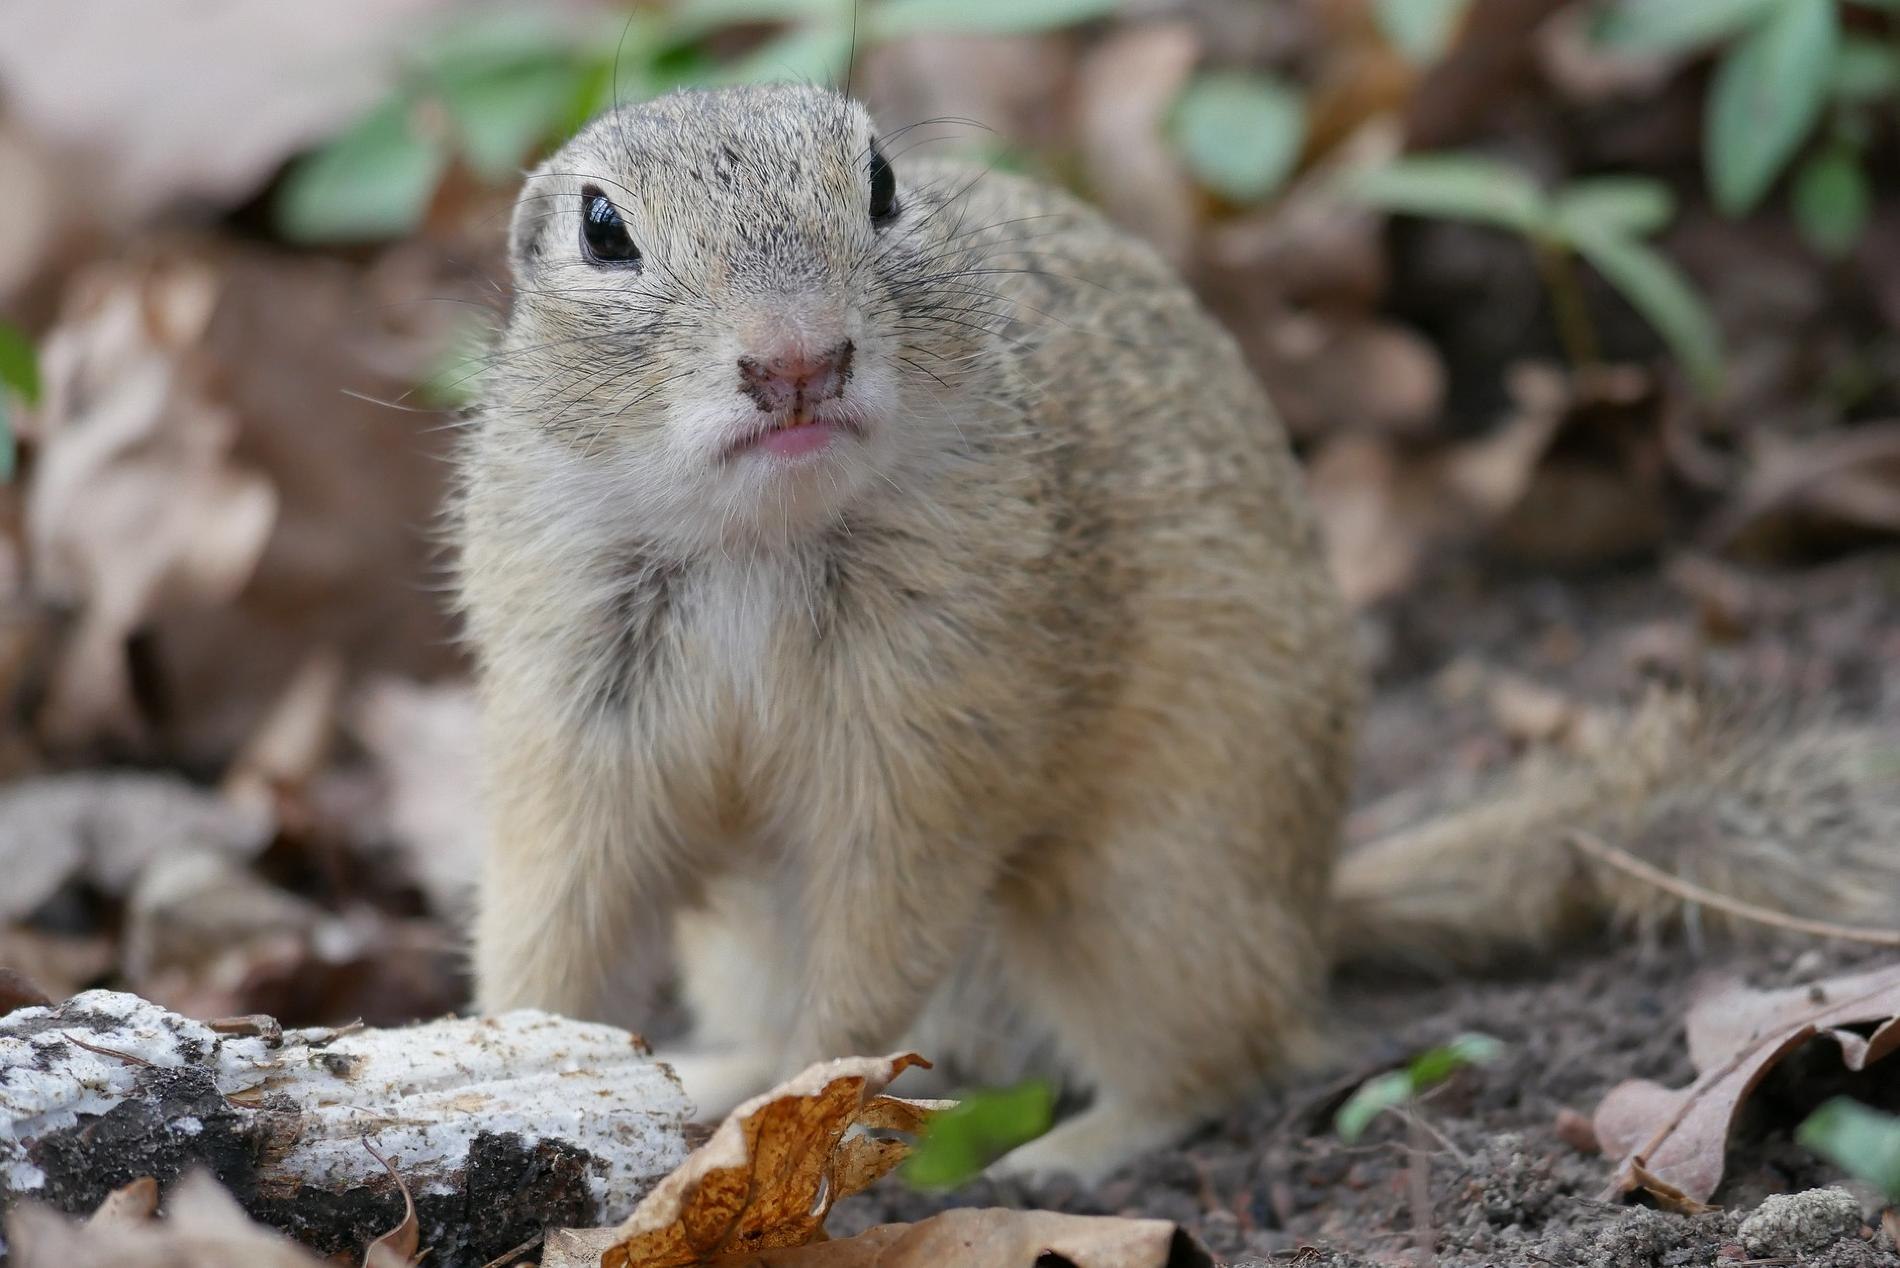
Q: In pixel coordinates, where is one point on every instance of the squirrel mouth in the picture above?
(796, 433)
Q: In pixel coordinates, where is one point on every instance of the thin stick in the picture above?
(1420, 1177)
(1603, 852)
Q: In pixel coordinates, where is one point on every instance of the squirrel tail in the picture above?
(1798, 816)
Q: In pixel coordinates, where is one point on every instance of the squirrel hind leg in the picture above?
(1170, 992)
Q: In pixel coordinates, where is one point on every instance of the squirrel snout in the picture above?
(793, 380)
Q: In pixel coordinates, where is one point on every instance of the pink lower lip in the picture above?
(796, 441)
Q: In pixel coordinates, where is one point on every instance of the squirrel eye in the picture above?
(883, 189)
(604, 238)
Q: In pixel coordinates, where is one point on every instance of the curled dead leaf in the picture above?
(1672, 1142)
(767, 1178)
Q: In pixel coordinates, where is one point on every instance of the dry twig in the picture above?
(1603, 852)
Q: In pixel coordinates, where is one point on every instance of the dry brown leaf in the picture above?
(290, 745)
(1124, 90)
(107, 828)
(1573, 476)
(58, 965)
(1847, 480)
(30, 177)
(988, 88)
(422, 740)
(130, 1204)
(1671, 1142)
(1531, 712)
(135, 503)
(176, 99)
(203, 1228)
(767, 1178)
(17, 990)
(999, 1239)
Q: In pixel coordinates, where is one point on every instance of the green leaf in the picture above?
(1861, 1141)
(374, 181)
(1633, 205)
(1456, 187)
(1421, 29)
(1369, 1100)
(1866, 70)
(455, 378)
(502, 115)
(1239, 133)
(497, 40)
(1438, 1064)
(1658, 290)
(1832, 201)
(817, 54)
(1768, 93)
(9, 455)
(1673, 26)
(695, 18)
(1428, 1069)
(896, 18)
(19, 364)
(959, 1142)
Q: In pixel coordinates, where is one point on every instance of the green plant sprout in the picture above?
(959, 1142)
(1788, 70)
(1239, 133)
(1401, 1087)
(1423, 30)
(19, 377)
(1603, 219)
(493, 91)
(1863, 1142)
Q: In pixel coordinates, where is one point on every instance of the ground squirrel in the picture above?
(892, 591)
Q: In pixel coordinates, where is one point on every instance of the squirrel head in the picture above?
(736, 306)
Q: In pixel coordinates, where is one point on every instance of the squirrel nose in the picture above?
(794, 380)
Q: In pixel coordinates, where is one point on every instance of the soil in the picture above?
(1273, 1183)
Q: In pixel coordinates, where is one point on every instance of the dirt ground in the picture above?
(1274, 1184)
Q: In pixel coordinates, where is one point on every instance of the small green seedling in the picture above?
(492, 91)
(1863, 1142)
(1423, 30)
(1401, 1087)
(1605, 220)
(19, 377)
(1239, 132)
(959, 1142)
(1789, 72)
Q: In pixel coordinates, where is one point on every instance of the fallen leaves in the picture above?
(136, 502)
(204, 1228)
(756, 1196)
(1005, 1239)
(756, 1193)
(1672, 1142)
(772, 1170)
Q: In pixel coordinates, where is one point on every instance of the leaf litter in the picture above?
(1673, 1143)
